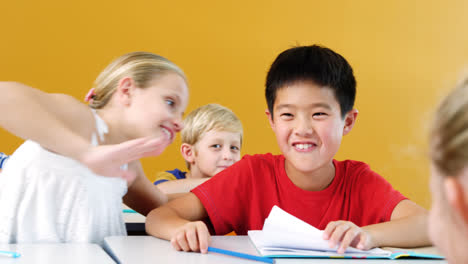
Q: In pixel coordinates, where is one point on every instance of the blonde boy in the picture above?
(211, 142)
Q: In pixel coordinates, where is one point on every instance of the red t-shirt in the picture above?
(240, 197)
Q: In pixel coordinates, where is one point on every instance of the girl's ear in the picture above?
(125, 90)
(457, 196)
(188, 153)
(349, 121)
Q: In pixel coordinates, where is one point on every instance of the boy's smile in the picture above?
(308, 126)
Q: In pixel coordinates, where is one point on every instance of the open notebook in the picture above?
(285, 236)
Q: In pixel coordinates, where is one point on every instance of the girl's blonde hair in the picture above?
(142, 67)
(449, 134)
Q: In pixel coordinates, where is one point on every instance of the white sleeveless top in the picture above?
(50, 198)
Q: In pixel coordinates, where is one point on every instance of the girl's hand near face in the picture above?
(106, 160)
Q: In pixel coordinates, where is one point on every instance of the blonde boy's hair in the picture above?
(449, 135)
(142, 67)
(206, 118)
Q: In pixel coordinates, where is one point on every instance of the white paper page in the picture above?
(280, 220)
(283, 230)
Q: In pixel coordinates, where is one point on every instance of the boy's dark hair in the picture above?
(313, 63)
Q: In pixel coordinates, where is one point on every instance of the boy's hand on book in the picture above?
(193, 236)
(345, 234)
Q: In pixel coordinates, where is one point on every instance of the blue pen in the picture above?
(10, 254)
(240, 255)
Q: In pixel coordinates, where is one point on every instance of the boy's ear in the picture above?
(270, 118)
(349, 121)
(187, 152)
(457, 196)
(125, 90)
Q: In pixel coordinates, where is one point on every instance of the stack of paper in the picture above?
(284, 235)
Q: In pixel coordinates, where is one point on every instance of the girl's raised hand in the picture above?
(106, 160)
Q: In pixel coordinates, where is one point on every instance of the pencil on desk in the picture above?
(10, 254)
(240, 255)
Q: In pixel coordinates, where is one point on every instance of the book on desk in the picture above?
(285, 236)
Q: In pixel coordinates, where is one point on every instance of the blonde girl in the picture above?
(67, 182)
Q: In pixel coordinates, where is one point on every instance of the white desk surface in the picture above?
(147, 249)
(56, 253)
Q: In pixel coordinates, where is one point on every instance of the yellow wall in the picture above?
(405, 54)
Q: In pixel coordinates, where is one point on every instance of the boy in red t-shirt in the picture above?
(310, 93)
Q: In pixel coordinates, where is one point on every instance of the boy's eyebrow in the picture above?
(314, 105)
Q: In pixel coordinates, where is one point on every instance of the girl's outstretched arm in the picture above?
(62, 124)
(52, 120)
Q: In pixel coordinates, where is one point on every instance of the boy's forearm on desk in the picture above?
(407, 232)
(162, 222)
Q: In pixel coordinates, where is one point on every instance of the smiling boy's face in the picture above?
(308, 126)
